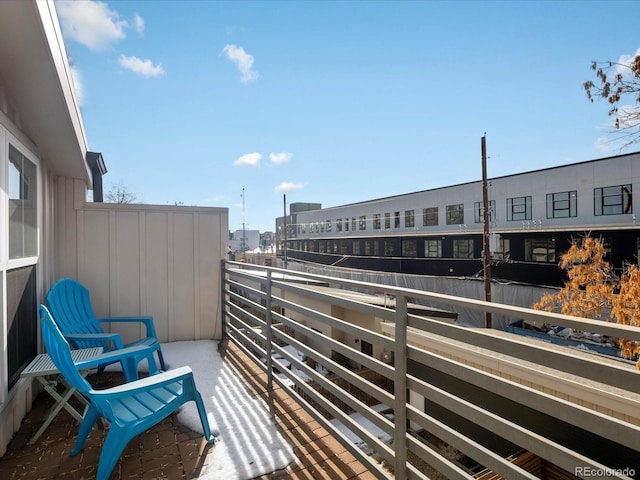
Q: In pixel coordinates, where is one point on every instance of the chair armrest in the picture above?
(148, 322)
(113, 356)
(103, 338)
(148, 383)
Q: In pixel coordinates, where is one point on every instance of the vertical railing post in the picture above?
(223, 300)
(269, 333)
(400, 388)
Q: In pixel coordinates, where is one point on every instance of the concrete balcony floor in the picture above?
(169, 450)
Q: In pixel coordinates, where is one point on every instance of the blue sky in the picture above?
(336, 102)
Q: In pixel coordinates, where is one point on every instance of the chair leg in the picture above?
(114, 445)
(91, 415)
(130, 369)
(151, 361)
(163, 367)
(203, 417)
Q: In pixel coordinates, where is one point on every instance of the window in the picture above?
(518, 208)
(389, 249)
(500, 247)
(540, 250)
(396, 220)
(356, 247)
(409, 220)
(321, 246)
(343, 247)
(376, 221)
(328, 224)
(353, 224)
(346, 224)
(612, 200)
(23, 213)
(463, 248)
(363, 222)
(562, 204)
(387, 220)
(367, 247)
(478, 209)
(339, 225)
(429, 216)
(409, 248)
(455, 214)
(433, 248)
(376, 248)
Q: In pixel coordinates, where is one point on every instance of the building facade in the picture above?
(533, 218)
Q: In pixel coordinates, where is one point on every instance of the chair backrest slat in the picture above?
(60, 352)
(70, 304)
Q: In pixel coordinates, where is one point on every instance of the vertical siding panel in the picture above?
(142, 301)
(197, 318)
(170, 279)
(156, 271)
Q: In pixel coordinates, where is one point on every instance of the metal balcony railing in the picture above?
(422, 394)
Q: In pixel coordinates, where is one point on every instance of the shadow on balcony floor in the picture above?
(170, 450)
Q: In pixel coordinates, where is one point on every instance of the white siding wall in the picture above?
(162, 261)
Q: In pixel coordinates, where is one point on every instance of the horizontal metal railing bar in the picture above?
(371, 440)
(370, 389)
(249, 353)
(590, 420)
(468, 446)
(363, 359)
(617, 374)
(244, 321)
(375, 310)
(526, 439)
(333, 322)
(360, 407)
(366, 460)
(256, 347)
(244, 288)
(244, 301)
(552, 318)
(246, 313)
(437, 461)
(247, 327)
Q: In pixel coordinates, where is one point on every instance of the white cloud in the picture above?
(624, 64)
(138, 22)
(280, 157)
(76, 79)
(146, 68)
(250, 159)
(286, 187)
(90, 23)
(243, 61)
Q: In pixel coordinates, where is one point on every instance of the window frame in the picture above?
(427, 214)
(515, 214)
(555, 202)
(600, 204)
(454, 213)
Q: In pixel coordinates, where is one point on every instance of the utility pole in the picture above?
(486, 251)
(243, 246)
(284, 247)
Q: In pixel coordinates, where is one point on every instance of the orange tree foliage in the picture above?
(593, 290)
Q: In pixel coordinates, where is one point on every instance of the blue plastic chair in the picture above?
(70, 304)
(131, 408)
